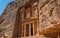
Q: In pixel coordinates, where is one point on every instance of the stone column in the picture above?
(58, 36)
(37, 33)
(21, 30)
(24, 30)
(29, 29)
(33, 29)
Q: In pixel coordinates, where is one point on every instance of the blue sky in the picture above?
(3, 4)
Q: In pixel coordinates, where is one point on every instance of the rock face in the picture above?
(7, 19)
(49, 15)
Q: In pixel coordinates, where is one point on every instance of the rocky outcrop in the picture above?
(49, 15)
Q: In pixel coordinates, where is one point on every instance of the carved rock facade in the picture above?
(31, 19)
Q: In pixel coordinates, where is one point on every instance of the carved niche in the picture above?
(35, 9)
(28, 11)
(22, 11)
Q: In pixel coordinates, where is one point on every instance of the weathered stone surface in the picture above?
(49, 15)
